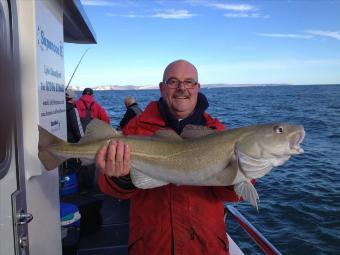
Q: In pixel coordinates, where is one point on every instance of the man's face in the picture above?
(181, 100)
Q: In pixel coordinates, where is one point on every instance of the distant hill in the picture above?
(126, 87)
(133, 87)
(224, 85)
(115, 87)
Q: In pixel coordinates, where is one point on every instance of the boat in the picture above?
(32, 37)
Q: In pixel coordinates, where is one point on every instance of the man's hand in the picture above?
(114, 160)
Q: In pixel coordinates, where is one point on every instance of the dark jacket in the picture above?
(131, 111)
(172, 219)
(74, 128)
(97, 111)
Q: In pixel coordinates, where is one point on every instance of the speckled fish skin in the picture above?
(216, 159)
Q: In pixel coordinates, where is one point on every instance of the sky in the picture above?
(231, 42)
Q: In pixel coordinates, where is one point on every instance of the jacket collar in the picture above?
(152, 116)
(132, 105)
(157, 113)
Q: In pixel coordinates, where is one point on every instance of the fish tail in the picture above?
(46, 140)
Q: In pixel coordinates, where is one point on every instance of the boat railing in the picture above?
(262, 242)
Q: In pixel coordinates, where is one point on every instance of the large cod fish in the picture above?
(200, 156)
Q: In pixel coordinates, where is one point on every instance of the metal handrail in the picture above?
(267, 247)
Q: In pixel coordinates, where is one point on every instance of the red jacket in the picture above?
(187, 218)
(97, 111)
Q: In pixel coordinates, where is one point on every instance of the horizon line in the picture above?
(208, 85)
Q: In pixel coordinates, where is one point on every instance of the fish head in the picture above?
(265, 146)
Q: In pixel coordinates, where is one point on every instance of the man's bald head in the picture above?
(129, 100)
(181, 100)
(177, 63)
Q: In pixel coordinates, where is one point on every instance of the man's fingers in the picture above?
(127, 159)
(114, 159)
(110, 168)
(101, 159)
(119, 158)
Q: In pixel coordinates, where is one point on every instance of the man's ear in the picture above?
(161, 86)
(199, 86)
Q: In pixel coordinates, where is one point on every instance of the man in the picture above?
(132, 110)
(171, 219)
(74, 130)
(74, 126)
(88, 108)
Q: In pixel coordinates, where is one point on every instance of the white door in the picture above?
(13, 215)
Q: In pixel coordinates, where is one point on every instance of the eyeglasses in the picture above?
(174, 83)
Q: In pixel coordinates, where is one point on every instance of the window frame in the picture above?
(5, 53)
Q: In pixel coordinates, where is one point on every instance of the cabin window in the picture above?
(7, 103)
(2, 153)
(4, 158)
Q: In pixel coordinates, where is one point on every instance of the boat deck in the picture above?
(111, 237)
(104, 227)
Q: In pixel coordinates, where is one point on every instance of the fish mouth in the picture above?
(296, 140)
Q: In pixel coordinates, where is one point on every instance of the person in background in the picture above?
(132, 110)
(88, 108)
(74, 131)
(171, 219)
(74, 126)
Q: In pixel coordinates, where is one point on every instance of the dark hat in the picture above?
(88, 91)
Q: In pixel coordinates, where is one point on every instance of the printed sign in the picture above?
(50, 77)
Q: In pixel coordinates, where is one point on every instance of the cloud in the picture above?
(245, 15)
(331, 34)
(232, 7)
(132, 16)
(97, 2)
(129, 15)
(168, 14)
(223, 6)
(277, 35)
(236, 10)
(308, 34)
(173, 14)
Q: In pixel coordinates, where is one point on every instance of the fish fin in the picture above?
(98, 129)
(143, 181)
(247, 191)
(46, 139)
(167, 134)
(252, 168)
(195, 131)
(49, 161)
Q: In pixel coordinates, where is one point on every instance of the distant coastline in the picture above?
(203, 86)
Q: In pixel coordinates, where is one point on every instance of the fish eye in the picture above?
(278, 129)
